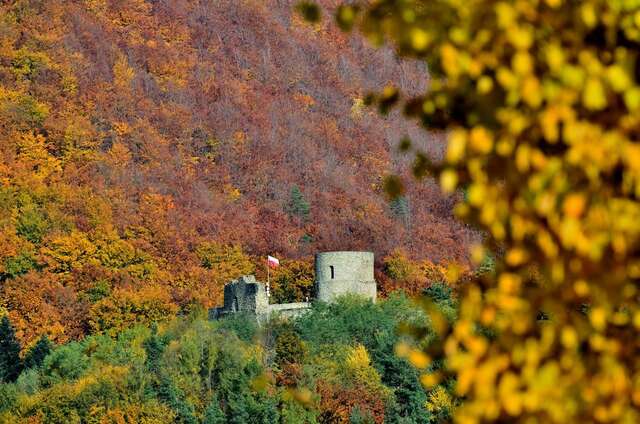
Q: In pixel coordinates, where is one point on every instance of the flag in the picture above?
(273, 262)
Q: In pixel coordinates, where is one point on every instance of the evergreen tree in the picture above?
(175, 399)
(35, 356)
(10, 364)
(298, 205)
(401, 210)
(154, 347)
(213, 413)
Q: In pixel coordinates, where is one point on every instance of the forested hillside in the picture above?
(336, 364)
(151, 150)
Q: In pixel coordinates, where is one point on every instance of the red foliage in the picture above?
(337, 403)
(152, 127)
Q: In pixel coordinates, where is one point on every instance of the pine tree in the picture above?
(213, 413)
(154, 347)
(298, 205)
(10, 364)
(38, 352)
(401, 210)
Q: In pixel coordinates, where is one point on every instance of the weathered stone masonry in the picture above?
(337, 274)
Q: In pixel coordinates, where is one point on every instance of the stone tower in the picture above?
(339, 273)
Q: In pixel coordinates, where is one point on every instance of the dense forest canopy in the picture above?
(214, 112)
(152, 150)
(336, 364)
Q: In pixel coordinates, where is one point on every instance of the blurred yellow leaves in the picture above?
(540, 107)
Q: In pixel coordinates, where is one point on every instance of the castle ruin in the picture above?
(336, 274)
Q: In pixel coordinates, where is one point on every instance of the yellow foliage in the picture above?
(122, 73)
(540, 105)
(34, 156)
(227, 262)
(126, 307)
(439, 402)
(357, 108)
(64, 253)
(357, 367)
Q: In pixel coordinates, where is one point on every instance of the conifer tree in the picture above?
(213, 413)
(298, 205)
(10, 364)
(38, 352)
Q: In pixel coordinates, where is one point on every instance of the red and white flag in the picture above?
(273, 262)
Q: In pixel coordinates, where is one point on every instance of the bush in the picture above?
(243, 325)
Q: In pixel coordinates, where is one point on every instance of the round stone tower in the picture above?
(339, 273)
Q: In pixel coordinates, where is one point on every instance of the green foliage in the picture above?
(442, 295)
(243, 325)
(190, 370)
(98, 291)
(36, 355)
(28, 64)
(22, 110)
(400, 209)
(154, 347)
(32, 224)
(290, 349)
(213, 413)
(487, 266)
(18, 265)
(10, 362)
(360, 417)
(29, 381)
(440, 292)
(8, 397)
(171, 395)
(67, 362)
(297, 206)
(354, 320)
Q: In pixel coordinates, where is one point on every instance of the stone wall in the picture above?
(289, 309)
(244, 295)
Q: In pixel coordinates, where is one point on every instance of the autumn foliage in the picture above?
(151, 151)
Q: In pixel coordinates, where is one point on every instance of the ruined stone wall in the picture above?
(244, 295)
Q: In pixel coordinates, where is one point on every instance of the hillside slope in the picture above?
(133, 131)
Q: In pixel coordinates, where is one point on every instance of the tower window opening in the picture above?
(333, 275)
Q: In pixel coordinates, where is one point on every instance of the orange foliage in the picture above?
(40, 304)
(337, 403)
(132, 132)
